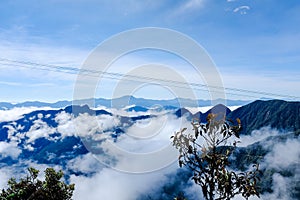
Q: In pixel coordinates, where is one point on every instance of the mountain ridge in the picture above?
(122, 102)
(280, 114)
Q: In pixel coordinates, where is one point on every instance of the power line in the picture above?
(115, 78)
(72, 70)
(118, 76)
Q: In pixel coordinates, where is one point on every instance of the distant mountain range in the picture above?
(274, 113)
(124, 101)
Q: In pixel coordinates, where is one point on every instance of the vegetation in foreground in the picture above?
(206, 153)
(31, 188)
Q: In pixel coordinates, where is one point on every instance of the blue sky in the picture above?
(254, 43)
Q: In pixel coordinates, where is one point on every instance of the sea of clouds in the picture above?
(99, 180)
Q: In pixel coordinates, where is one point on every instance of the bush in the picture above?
(31, 188)
(206, 153)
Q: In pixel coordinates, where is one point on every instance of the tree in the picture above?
(206, 152)
(31, 188)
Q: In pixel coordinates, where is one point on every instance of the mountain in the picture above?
(279, 114)
(219, 109)
(274, 113)
(46, 136)
(5, 105)
(183, 112)
(122, 102)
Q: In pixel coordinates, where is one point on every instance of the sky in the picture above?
(254, 45)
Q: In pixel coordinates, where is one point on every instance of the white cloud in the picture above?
(188, 6)
(9, 149)
(204, 109)
(145, 146)
(41, 52)
(151, 134)
(114, 185)
(39, 129)
(258, 135)
(129, 186)
(242, 9)
(85, 163)
(85, 125)
(65, 124)
(21, 77)
(29, 147)
(25, 84)
(14, 132)
(193, 4)
(281, 188)
(284, 155)
(40, 115)
(18, 112)
(5, 174)
(9, 83)
(260, 82)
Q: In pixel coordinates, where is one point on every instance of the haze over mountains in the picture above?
(122, 102)
(59, 136)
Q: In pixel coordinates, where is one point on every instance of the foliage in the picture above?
(31, 188)
(206, 153)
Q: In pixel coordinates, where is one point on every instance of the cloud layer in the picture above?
(142, 137)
